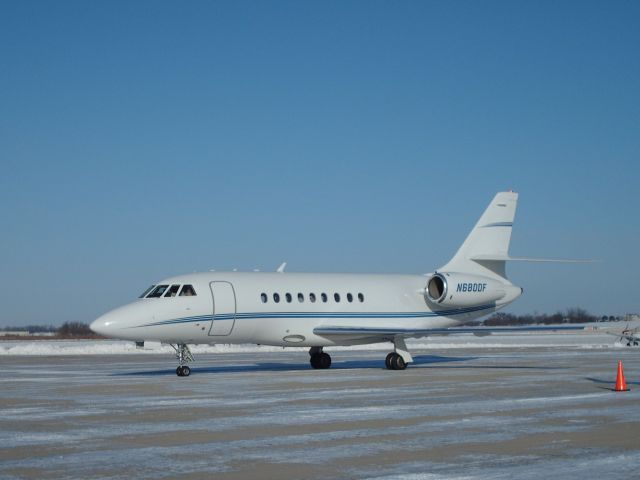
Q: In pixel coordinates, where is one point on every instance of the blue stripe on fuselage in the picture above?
(333, 315)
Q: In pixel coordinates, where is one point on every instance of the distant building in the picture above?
(14, 333)
(631, 317)
(25, 333)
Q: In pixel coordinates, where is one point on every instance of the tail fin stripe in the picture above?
(489, 238)
(498, 224)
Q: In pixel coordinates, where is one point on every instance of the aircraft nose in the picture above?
(102, 325)
(122, 322)
(111, 323)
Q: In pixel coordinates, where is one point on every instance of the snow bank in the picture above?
(118, 347)
(111, 347)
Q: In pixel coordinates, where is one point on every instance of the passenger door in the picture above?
(224, 308)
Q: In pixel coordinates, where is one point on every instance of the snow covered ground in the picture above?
(493, 407)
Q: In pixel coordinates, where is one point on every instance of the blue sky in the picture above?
(140, 140)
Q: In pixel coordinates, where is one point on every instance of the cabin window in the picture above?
(146, 291)
(324, 297)
(336, 297)
(158, 291)
(173, 291)
(312, 297)
(276, 297)
(349, 298)
(300, 297)
(187, 291)
(361, 297)
(288, 297)
(263, 297)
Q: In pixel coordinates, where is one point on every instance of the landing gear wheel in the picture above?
(314, 361)
(398, 363)
(184, 355)
(395, 362)
(387, 361)
(320, 360)
(325, 360)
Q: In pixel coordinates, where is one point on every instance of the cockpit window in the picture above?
(188, 291)
(173, 291)
(146, 291)
(158, 291)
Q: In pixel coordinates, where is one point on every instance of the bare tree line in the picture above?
(571, 315)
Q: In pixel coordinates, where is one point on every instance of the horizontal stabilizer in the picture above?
(507, 258)
(384, 333)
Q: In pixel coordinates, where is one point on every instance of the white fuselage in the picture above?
(230, 307)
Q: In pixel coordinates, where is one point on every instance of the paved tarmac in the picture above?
(473, 413)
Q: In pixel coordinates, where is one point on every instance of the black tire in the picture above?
(186, 371)
(324, 360)
(314, 361)
(179, 371)
(398, 362)
(387, 361)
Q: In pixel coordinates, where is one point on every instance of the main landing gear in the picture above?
(319, 359)
(183, 354)
(395, 362)
(400, 357)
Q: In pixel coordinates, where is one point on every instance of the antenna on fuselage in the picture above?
(281, 267)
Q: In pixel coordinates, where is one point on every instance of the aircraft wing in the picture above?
(615, 334)
(630, 336)
(389, 333)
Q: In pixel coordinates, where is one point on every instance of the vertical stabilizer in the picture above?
(487, 246)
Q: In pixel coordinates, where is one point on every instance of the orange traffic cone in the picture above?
(621, 383)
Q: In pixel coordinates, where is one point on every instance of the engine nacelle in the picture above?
(463, 290)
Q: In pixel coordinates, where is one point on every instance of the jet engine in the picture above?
(464, 290)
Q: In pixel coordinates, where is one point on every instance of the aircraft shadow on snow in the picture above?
(420, 361)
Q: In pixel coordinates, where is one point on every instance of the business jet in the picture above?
(320, 310)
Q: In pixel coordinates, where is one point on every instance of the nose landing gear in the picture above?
(184, 355)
